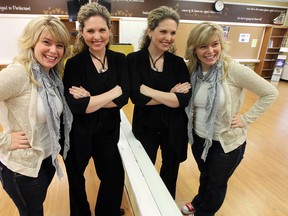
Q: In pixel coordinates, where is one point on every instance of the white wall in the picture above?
(11, 28)
(131, 30)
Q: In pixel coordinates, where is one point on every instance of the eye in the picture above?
(102, 30)
(45, 42)
(203, 47)
(60, 46)
(91, 31)
(173, 33)
(216, 44)
(163, 31)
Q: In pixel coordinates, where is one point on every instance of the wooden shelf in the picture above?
(273, 40)
(271, 53)
(277, 37)
(71, 26)
(2, 66)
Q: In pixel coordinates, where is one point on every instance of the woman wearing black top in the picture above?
(160, 90)
(96, 87)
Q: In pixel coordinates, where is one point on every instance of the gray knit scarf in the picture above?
(49, 85)
(213, 77)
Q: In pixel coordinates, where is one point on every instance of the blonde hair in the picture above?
(154, 18)
(202, 34)
(86, 11)
(31, 35)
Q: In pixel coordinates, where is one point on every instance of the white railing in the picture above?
(146, 190)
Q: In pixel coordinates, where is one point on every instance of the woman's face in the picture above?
(208, 54)
(96, 33)
(163, 36)
(48, 52)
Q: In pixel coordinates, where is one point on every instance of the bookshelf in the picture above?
(71, 26)
(274, 40)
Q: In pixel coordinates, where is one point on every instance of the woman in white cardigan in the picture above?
(32, 108)
(216, 129)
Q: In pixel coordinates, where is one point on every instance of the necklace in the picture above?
(154, 62)
(103, 69)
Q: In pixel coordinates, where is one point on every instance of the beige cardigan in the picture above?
(239, 78)
(18, 112)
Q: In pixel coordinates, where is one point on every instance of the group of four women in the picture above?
(97, 84)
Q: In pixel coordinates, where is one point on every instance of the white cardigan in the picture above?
(18, 112)
(239, 78)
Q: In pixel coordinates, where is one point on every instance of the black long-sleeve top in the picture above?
(158, 117)
(80, 71)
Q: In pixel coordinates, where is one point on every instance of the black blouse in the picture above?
(159, 117)
(80, 71)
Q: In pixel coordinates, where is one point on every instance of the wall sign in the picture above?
(55, 7)
(187, 10)
(203, 11)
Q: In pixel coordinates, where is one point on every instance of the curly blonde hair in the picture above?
(154, 18)
(86, 11)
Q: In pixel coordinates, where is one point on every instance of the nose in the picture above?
(96, 35)
(168, 37)
(210, 49)
(53, 48)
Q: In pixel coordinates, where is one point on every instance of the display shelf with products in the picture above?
(275, 38)
(115, 30)
(71, 26)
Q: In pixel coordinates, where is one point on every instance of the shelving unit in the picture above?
(71, 26)
(275, 37)
(115, 30)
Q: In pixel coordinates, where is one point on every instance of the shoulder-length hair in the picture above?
(31, 35)
(200, 35)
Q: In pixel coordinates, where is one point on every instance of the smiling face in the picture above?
(48, 52)
(96, 33)
(163, 36)
(208, 54)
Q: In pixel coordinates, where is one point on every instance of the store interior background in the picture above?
(268, 197)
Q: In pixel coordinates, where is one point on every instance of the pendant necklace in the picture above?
(154, 62)
(103, 69)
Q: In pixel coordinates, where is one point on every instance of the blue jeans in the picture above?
(28, 193)
(214, 175)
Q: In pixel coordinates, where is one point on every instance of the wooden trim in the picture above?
(2, 66)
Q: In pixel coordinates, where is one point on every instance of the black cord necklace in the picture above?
(103, 69)
(154, 62)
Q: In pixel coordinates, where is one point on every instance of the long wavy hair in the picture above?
(86, 11)
(31, 35)
(205, 33)
(154, 18)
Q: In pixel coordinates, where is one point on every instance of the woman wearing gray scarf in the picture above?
(216, 129)
(32, 108)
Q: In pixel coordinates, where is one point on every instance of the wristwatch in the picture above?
(219, 5)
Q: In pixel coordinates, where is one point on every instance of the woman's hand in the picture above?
(181, 88)
(237, 122)
(79, 92)
(19, 141)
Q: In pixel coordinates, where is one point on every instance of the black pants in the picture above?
(170, 162)
(104, 151)
(214, 175)
(28, 193)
